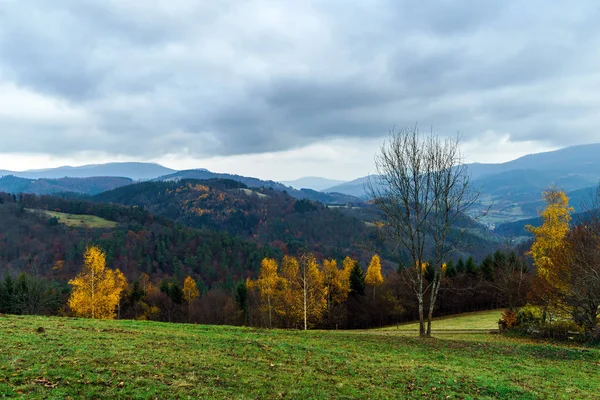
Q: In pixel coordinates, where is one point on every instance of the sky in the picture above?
(281, 90)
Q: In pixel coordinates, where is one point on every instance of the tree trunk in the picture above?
(421, 316)
(434, 292)
(305, 306)
(269, 305)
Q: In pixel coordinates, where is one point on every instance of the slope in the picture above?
(309, 194)
(135, 242)
(139, 359)
(264, 215)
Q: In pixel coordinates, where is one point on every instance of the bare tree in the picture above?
(422, 186)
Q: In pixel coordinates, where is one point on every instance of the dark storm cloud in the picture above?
(145, 78)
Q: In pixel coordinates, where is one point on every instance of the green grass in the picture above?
(79, 220)
(133, 359)
(485, 321)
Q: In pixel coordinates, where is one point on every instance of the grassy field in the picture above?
(476, 322)
(52, 357)
(79, 220)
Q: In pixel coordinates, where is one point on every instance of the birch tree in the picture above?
(423, 187)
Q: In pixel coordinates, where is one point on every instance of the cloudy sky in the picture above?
(283, 89)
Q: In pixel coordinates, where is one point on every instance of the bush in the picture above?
(530, 315)
(508, 320)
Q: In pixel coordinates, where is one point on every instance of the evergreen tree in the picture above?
(470, 266)
(357, 281)
(460, 266)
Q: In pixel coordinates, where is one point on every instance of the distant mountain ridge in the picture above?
(89, 186)
(514, 189)
(133, 170)
(312, 182)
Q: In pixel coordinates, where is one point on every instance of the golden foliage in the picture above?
(373, 276)
(266, 284)
(96, 289)
(347, 266)
(289, 295)
(550, 236)
(190, 290)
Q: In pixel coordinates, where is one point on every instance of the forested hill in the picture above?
(265, 216)
(268, 216)
(255, 183)
(35, 242)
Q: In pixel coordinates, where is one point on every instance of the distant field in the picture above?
(79, 220)
(483, 321)
(52, 357)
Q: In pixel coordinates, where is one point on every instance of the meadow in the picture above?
(56, 357)
(79, 220)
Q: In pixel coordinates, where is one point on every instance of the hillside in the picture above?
(52, 357)
(134, 240)
(132, 170)
(90, 186)
(309, 194)
(268, 216)
(264, 215)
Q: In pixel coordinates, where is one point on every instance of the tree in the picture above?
(190, 292)
(310, 281)
(96, 289)
(373, 276)
(549, 237)
(266, 284)
(580, 286)
(357, 281)
(290, 292)
(422, 186)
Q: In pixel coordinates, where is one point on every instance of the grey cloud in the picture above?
(239, 78)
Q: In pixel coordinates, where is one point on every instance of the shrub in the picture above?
(530, 315)
(508, 320)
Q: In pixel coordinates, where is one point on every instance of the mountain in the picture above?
(90, 186)
(513, 190)
(581, 160)
(312, 182)
(264, 215)
(132, 170)
(355, 187)
(309, 194)
(270, 217)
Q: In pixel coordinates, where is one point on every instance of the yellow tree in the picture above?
(347, 267)
(310, 282)
(550, 237)
(373, 276)
(290, 294)
(96, 289)
(190, 292)
(266, 284)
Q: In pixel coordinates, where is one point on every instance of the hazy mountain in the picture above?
(312, 182)
(353, 188)
(514, 189)
(309, 194)
(133, 170)
(91, 186)
(582, 159)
